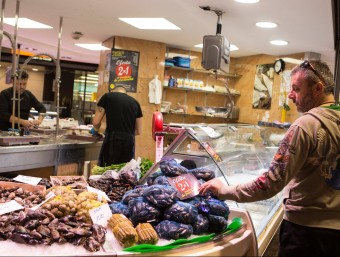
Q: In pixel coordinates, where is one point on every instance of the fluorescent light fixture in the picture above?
(292, 60)
(35, 69)
(93, 47)
(279, 42)
(150, 23)
(25, 23)
(266, 24)
(232, 47)
(247, 1)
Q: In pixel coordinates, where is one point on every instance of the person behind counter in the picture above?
(123, 122)
(27, 101)
(306, 166)
(66, 107)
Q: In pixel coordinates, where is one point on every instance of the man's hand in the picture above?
(36, 122)
(213, 185)
(26, 123)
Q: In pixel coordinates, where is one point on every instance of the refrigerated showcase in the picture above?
(237, 153)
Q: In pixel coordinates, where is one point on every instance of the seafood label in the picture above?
(101, 215)
(186, 185)
(27, 179)
(210, 132)
(10, 206)
(47, 197)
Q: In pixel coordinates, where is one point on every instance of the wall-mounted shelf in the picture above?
(220, 73)
(199, 90)
(196, 115)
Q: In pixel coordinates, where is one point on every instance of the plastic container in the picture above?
(165, 106)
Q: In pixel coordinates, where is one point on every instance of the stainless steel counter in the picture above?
(49, 152)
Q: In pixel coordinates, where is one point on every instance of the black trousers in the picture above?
(297, 240)
(117, 148)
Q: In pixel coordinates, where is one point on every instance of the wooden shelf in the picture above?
(220, 73)
(194, 114)
(200, 91)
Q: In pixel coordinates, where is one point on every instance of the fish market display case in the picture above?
(237, 240)
(237, 153)
(50, 152)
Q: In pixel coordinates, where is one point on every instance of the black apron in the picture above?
(117, 148)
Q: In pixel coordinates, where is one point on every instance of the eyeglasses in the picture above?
(307, 65)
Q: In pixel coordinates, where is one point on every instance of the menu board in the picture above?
(124, 69)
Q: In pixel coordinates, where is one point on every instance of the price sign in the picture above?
(159, 148)
(210, 132)
(101, 215)
(99, 192)
(186, 185)
(47, 197)
(9, 206)
(27, 179)
(124, 69)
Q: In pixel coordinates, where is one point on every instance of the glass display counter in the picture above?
(237, 154)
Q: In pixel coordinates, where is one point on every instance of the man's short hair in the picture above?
(20, 74)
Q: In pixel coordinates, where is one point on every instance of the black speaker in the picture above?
(216, 53)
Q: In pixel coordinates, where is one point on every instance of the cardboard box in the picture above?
(27, 187)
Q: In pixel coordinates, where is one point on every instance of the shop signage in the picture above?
(124, 69)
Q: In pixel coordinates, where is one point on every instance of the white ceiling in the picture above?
(306, 24)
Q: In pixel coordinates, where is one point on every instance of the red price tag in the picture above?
(186, 185)
(123, 70)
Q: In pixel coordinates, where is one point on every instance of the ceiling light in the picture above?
(25, 23)
(150, 23)
(93, 47)
(35, 69)
(232, 47)
(279, 42)
(247, 1)
(266, 24)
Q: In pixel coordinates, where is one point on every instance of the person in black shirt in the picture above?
(123, 122)
(66, 108)
(27, 101)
